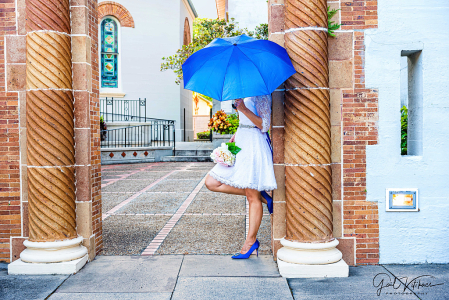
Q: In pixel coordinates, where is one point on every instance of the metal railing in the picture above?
(156, 133)
(114, 110)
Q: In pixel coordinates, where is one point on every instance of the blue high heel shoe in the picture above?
(255, 246)
(269, 201)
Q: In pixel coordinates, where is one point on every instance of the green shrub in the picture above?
(203, 135)
(234, 121)
(404, 125)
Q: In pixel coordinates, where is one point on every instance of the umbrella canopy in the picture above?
(237, 67)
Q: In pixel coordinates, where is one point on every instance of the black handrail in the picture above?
(156, 133)
(114, 110)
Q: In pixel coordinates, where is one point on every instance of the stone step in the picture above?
(186, 158)
(192, 152)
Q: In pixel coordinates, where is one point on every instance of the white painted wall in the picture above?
(186, 96)
(249, 13)
(158, 32)
(411, 237)
(205, 8)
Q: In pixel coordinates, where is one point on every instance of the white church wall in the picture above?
(186, 95)
(156, 34)
(410, 25)
(248, 13)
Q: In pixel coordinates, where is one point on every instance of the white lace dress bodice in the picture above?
(261, 107)
(253, 167)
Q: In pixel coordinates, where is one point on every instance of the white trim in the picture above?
(305, 28)
(302, 88)
(48, 31)
(119, 89)
(189, 9)
(48, 89)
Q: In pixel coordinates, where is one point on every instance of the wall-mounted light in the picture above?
(402, 200)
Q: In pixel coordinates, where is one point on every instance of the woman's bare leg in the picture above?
(216, 186)
(255, 217)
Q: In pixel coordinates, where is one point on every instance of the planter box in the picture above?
(217, 139)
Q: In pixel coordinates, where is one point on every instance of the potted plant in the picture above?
(223, 126)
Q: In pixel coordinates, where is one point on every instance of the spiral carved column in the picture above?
(307, 152)
(50, 135)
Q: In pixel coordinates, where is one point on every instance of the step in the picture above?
(186, 158)
(192, 152)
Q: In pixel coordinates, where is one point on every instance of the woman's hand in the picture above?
(240, 104)
(232, 140)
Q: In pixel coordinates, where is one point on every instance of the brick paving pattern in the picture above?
(165, 208)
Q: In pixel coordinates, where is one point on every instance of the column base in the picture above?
(20, 267)
(291, 270)
(53, 252)
(307, 260)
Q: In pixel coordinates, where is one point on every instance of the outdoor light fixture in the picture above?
(402, 200)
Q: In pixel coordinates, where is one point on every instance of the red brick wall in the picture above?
(353, 127)
(10, 85)
(111, 8)
(359, 121)
(13, 183)
(95, 128)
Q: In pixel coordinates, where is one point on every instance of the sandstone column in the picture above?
(50, 143)
(307, 152)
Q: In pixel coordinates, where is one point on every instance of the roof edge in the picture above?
(192, 8)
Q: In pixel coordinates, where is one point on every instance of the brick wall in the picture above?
(95, 128)
(359, 121)
(12, 84)
(111, 8)
(13, 159)
(353, 127)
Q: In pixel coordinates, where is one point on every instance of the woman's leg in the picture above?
(216, 186)
(255, 217)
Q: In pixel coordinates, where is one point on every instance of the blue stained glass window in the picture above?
(109, 53)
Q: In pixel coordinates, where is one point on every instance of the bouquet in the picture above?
(225, 154)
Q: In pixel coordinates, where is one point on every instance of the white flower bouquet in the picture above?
(225, 154)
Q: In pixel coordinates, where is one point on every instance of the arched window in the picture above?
(187, 37)
(109, 53)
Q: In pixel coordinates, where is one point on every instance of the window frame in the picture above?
(118, 89)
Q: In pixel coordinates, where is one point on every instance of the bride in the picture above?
(253, 174)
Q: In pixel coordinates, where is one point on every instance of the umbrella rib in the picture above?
(224, 79)
(202, 65)
(256, 68)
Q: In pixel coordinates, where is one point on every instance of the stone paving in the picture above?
(155, 214)
(172, 277)
(165, 208)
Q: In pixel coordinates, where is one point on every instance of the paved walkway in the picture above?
(165, 208)
(217, 277)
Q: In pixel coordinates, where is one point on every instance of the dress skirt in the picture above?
(253, 168)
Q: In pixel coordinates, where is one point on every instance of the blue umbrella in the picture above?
(237, 67)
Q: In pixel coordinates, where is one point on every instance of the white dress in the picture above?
(253, 168)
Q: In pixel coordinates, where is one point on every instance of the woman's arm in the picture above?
(240, 104)
(263, 107)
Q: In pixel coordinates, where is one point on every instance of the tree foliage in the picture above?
(204, 32)
(404, 126)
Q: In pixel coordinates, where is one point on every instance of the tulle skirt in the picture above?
(253, 168)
